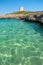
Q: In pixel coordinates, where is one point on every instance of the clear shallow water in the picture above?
(21, 43)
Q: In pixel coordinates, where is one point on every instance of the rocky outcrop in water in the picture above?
(31, 16)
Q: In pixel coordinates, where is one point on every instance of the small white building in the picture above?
(21, 9)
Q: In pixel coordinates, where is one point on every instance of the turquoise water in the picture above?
(21, 43)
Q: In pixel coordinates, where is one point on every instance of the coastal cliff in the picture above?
(31, 16)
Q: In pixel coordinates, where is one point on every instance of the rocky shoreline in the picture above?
(33, 16)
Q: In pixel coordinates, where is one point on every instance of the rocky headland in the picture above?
(30, 16)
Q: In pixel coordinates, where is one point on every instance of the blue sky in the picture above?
(7, 6)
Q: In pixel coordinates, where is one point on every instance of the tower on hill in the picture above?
(21, 9)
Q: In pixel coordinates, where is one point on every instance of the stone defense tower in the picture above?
(21, 9)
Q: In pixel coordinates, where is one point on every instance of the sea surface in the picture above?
(21, 42)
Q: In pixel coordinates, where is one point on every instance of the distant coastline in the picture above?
(25, 15)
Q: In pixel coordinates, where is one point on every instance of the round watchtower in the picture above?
(21, 9)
